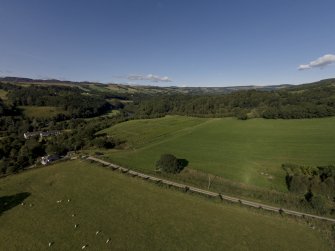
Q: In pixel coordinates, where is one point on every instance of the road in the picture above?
(209, 193)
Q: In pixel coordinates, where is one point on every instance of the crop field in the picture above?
(133, 214)
(250, 152)
(42, 111)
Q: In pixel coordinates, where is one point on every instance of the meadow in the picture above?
(3, 94)
(249, 152)
(42, 111)
(133, 214)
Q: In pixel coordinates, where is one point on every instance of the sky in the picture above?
(169, 42)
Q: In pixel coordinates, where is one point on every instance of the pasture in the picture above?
(133, 214)
(3, 94)
(42, 111)
(249, 152)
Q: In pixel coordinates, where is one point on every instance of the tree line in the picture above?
(314, 184)
(292, 103)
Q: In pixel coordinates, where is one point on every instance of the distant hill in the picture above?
(151, 90)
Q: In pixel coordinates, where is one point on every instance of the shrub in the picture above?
(170, 164)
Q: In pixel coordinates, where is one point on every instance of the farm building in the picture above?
(49, 133)
(28, 135)
(49, 159)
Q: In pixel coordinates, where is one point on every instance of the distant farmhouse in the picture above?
(28, 135)
(48, 159)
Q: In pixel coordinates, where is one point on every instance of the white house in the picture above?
(48, 159)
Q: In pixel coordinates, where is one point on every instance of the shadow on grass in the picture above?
(8, 202)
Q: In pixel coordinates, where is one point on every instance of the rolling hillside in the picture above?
(133, 215)
(250, 152)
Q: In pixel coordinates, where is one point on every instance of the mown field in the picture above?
(134, 214)
(250, 152)
(42, 111)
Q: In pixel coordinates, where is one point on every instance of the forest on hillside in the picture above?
(82, 101)
(311, 101)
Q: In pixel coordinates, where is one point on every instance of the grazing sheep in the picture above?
(85, 246)
(108, 240)
(22, 204)
(59, 201)
(76, 225)
(68, 200)
(73, 215)
(97, 232)
(31, 204)
(50, 244)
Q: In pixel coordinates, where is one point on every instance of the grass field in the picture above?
(249, 152)
(136, 215)
(112, 113)
(42, 111)
(3, 94)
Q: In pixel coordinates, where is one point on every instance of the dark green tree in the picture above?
(170, 164)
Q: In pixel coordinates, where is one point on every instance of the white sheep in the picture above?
(97, 232)
(108, 240)
(50, 244)
(85, 246)
(76, 225)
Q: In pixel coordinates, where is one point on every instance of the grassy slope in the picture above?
(135, 215)
(139, 133)
(42, 111)
(236, 150)
(3, 94)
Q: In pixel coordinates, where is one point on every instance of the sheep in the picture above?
(108, 240)
(31, 204)
(68, 200)
(50, 244)
(85, 246)
(59, 201)
(76, 225)
(73, 215)
(97, 232)
(22, 204)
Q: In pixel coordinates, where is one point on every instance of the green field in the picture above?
(112, 113)
(3, 94)
(250, 152)
(134, 214)
(42, 111)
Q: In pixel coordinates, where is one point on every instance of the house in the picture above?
(28, 135)
(48, 159)
(49, 133)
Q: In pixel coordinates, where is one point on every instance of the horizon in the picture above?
(169, 43)
(160, 86)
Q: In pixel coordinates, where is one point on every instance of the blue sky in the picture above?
(167, 42)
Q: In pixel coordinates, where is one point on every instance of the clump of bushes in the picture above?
(171, 164)
(314, 184)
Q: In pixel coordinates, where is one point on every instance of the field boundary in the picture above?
(209, 193)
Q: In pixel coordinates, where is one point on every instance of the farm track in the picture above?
(209, 193)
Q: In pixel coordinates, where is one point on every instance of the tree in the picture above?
(170, 164)
(3, 166)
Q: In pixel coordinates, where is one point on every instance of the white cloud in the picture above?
(320, 62)
(149, 77)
